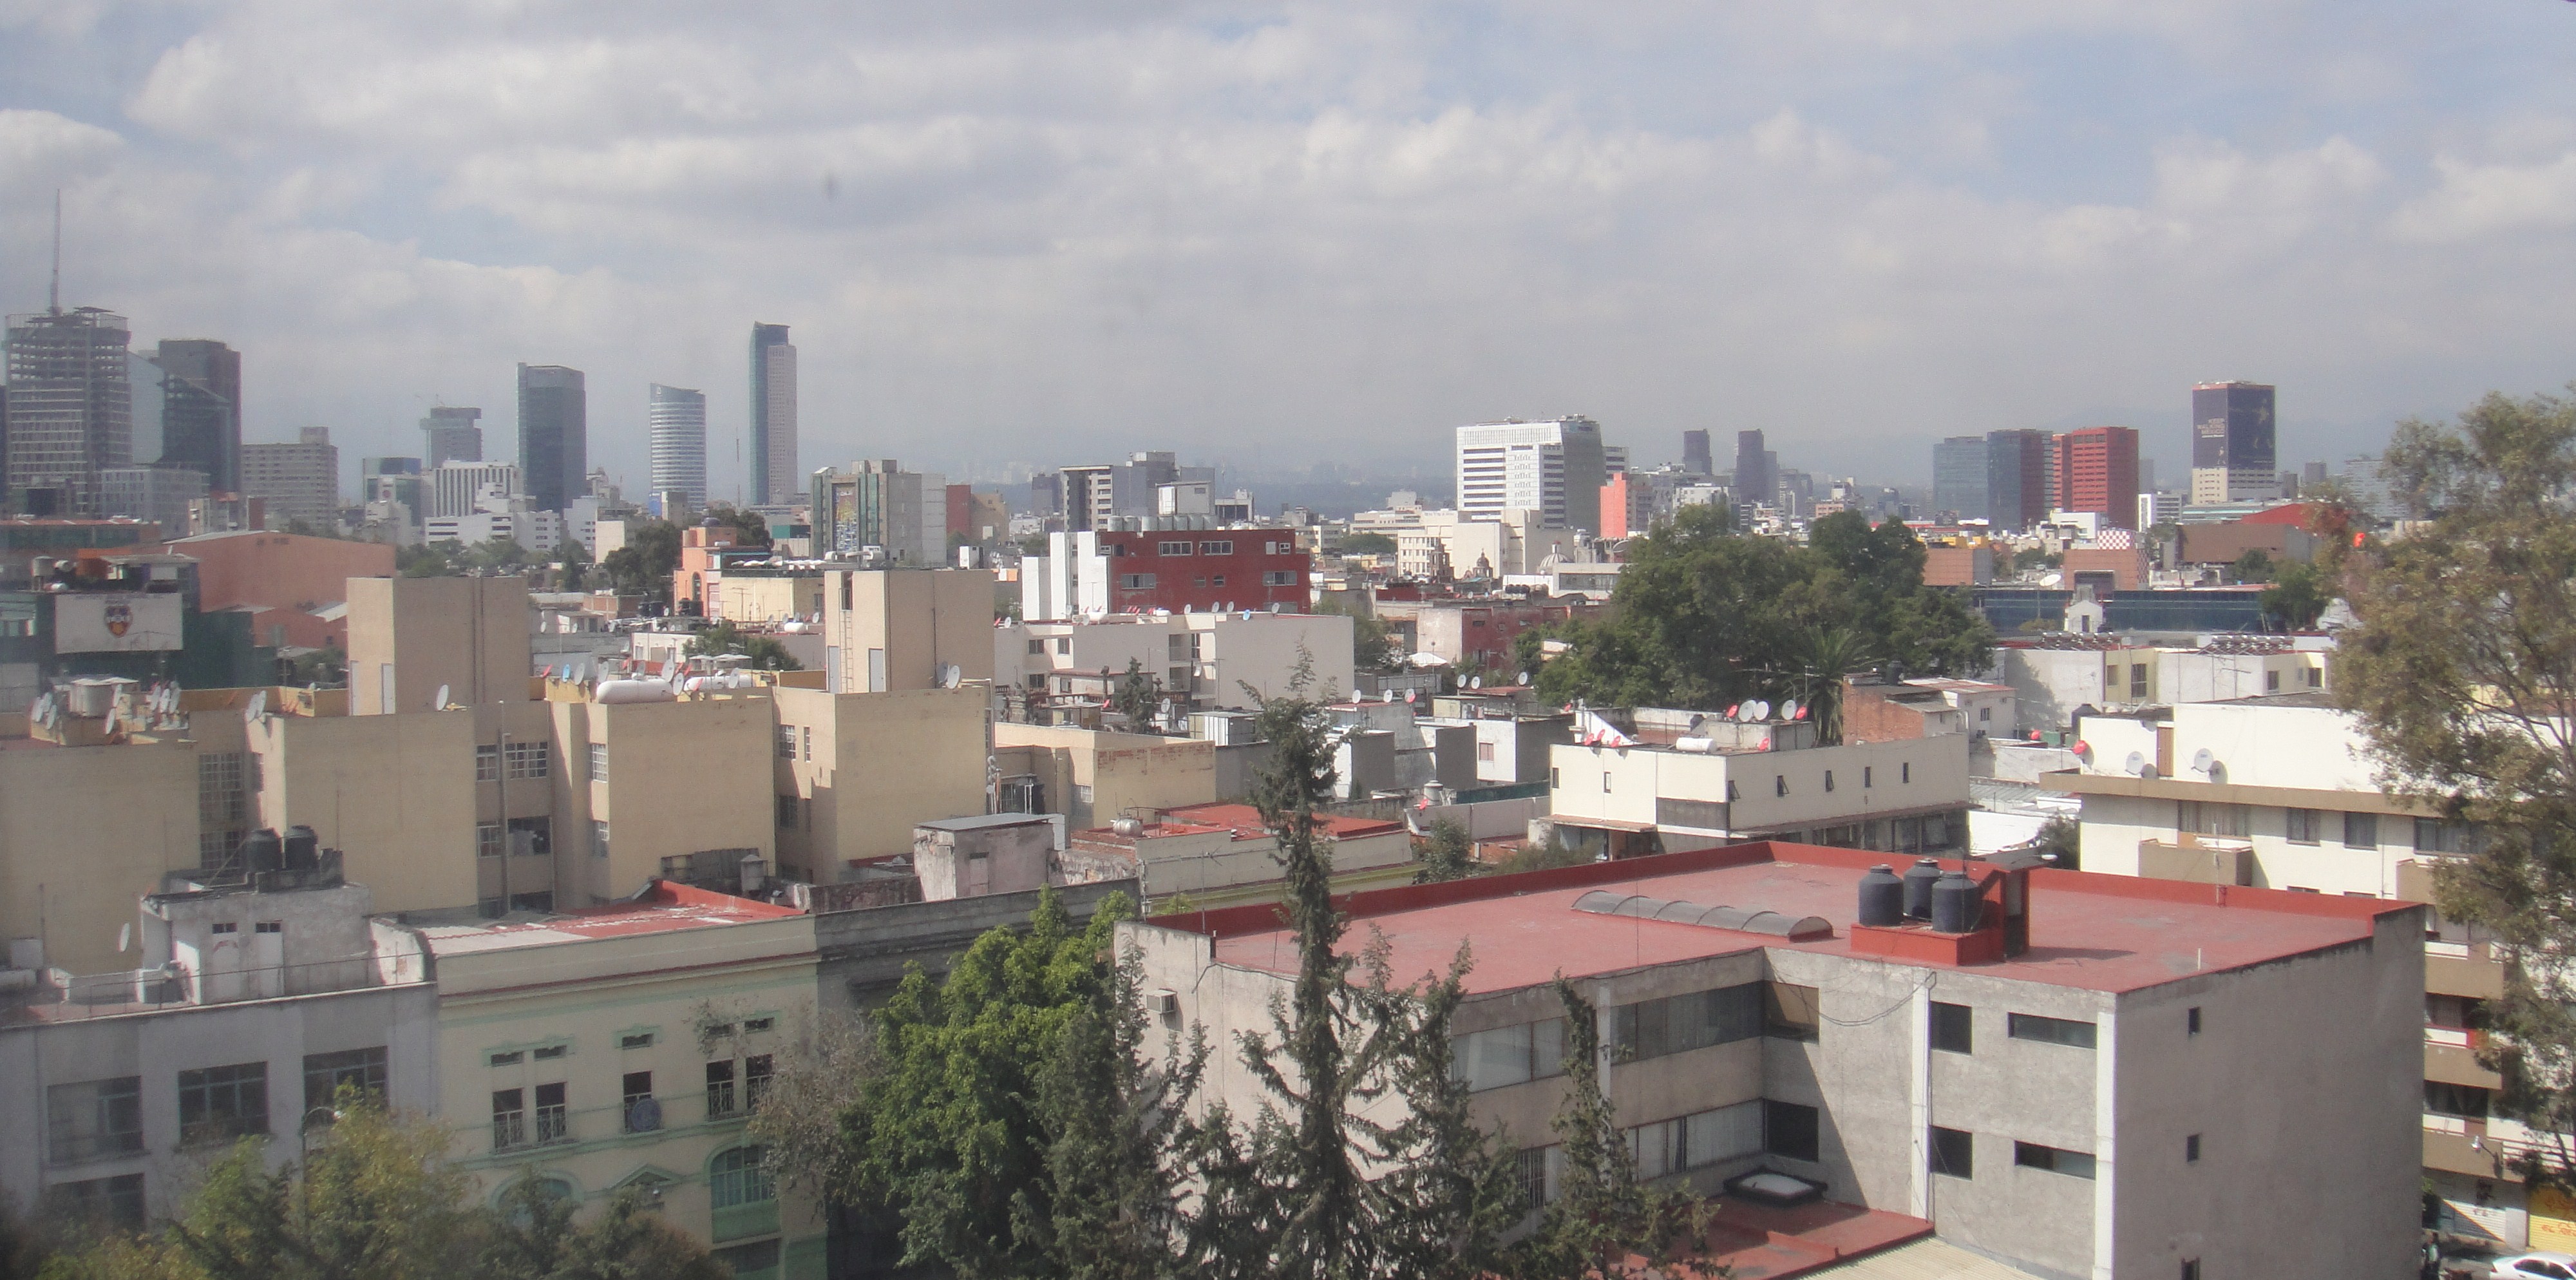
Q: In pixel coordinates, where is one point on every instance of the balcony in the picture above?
(2198, 860)
(2455, 1063)
(2466, 1154)
(2470, 973)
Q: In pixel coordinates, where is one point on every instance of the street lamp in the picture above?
(304, 1154)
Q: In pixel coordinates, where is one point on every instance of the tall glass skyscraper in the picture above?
(677, 417)
(1960, 477)
(772, 426)
(554, 435)
(70, 409)
(452, 435)
(2234, 457)
(201, 410)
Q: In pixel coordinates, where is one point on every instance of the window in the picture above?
(1789, 1011)
(1064, 644)
(2272, 681)
(2028, 1026)
(527, 760)
(1037, 647)
(510, 1058)
(2316, 677)
(92, 1119)
(598, 839)
(1172, 548)
(2191, 1149)
(756, 1072)
(1678, 1024)
(1529, 1179)
(487, 763)
(787, 738)
(756, 1258)
(1905, 772)
(509, 1118)
(360, 1069)
(2361, 831)
(635, 1040)
(2305, 825)
(554, 1118)
(1279, 578)
(754, 1026)
(1829, 779)
(1484, 753)
(786, 812)
(599, 762)
(2209, 819)
(2191, 1269)
(1509, 1055)
(1135, 581)
(1605, 782)
(2137, 680)
(218, 1103)
(1690, 1142)
(2191, 1021)
(551, 1052)
(1789, 1130)
(1953, 1030)
(2466, 1101)
(1225, 548)
(1865, 772)
(736, 1178)
(114, 1202)
(1953, 1152)
(224, 926)
(1779, 784)
(720, 1092)
(1218, 580)
(2074, 1164)
(2432, 835)
(635, 1102)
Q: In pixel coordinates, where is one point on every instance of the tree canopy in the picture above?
(644, 565)
(767, 653)
(1704, 617)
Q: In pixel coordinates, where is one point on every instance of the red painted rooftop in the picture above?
(665, 907)
(2090, 931)
(1241, 819)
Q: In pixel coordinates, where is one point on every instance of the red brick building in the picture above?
(2097, 471)
(1206, 569)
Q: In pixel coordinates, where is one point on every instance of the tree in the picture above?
(644, 565)
(1445, 854)
(1373, 646)
(751, 529)
(1136, 696)
(767, 653)
(2462, 670)
(1368, 544)
(2294, 600)
(1601, 1213)
(428, 559)
(2253, 566)
(533, 1237)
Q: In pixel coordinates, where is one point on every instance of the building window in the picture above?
(1037, 647)
(2074, 1164)
(2305, 825)
(758, 1258)
(1865, 777)
(528, 760)
(1693, 1141)
(107, 1202)
(599, 762)
(1135, 582)
(1509, 1055)
(2361, 831)
(487, 763)
(720, 1091)
(635, 1102)
(1677, 1024)
(1484, 753)
(1064, 644)
(1954, 1152)
(1605, 782)
(2191, 1021)
(92, 1119)
(787, 741)
(550, 1052)
(806, 736)
(1905, 772)
(554, 1116)
(1779, 784)
(598, 839)
(222, 1103)
(509, 1118)
(360, 1069)
(2272, 681)
(2464, 1101)
(1790, 1011)
(507, 1058)
(735, 1178)
(1789, 1130)
(2316, 677)
(1529, 1179)
(636, 1040)
(756, 1072)
(1218, 580)
(2432, 835)
(786, 812)
(487, 839)
(2211, 819)
(1953, 1029)
(2191, 1149)
(1216, 548)
(1172, 548)
(2137, 680)
(1082, 792)
(1279, 578)
(2191, 1269)
(2029, 1026)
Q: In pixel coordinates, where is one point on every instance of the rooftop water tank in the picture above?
(1919, 879)
(1882, 898)
(261, 850)
(1954, 904)
(303, 848)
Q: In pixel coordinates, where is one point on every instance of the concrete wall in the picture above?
(291, 574)
(470, 634)
(84, 831)
(1015, 859)
(1868, 780)
(683, 777)
(395, 794)
(910, 622)
(865, 953)
(881, 764)
(1121, 771)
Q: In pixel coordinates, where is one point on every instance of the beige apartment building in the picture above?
(1095, 777)
(1762, 781)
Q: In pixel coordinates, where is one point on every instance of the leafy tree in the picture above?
(328, 665)
(2294, 600)
(1445, 854)
(751, 529)
(2253, 566)
(1368, 544)
(767, 653)
(2064, 837)
(428, 559)
(2462, 669)
(644, 565)
(1601, 1213)
(1373, 646)
(533, 1237)
(1136, 696)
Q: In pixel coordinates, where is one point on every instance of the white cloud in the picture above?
(2478, 200)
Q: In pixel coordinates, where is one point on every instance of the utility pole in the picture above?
(501, 780)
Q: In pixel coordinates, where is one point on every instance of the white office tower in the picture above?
(677, 417)
(1553, 468)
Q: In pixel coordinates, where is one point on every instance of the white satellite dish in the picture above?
(258, 707)
(1475, 682)
(2218, 773)
(439, 703)
(2136, 763)
(950, 674)
(1524, 678)
(124, 937)
(1789, 709)
(1743, 712)
(2202, 759)
(1386, 696)
(1761, 709)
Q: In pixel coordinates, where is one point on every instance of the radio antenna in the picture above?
(54, 293)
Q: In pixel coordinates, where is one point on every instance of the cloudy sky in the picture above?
(1271, 234)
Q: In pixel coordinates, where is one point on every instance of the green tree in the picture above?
(533, 1236)
(1373, 646)
(1368, 544)
(428, 559)
(1136, 696)
(1445, 854)
(2461, 669)
(767, 653)
(2295, 598)
(644, 565)
(751, 529)
(1601, 1213)
(2253, 566)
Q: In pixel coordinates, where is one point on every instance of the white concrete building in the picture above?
(298, 481)
(1554, 468)
(1205, 658)
(456, 487)
(1907, 796)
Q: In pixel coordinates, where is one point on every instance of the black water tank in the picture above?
(1954, 904)
(1882, 898)
(303, 848)
(1918, 888)
(261, 851)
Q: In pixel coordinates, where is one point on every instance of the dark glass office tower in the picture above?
(201, 410)
(1754, 478)
(1695, 456)
(1959, 477)
(2016, 478)
(2232, 427)
(772, 425)
(554, 435)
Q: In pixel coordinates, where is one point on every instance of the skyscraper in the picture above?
(299, 481)
(677, 417)
(70, 411)
(2097, 470)
(773, 478)
(453, 436)
(1959, 477)
(2233, 455)
(554, 435)
(201, 410)
(1754, 477)
(2016, 478)
(1553, 468)
(1695, 455)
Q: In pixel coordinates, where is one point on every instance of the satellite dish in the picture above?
(2217, 773)
(1524, 678)
(1729, 713)
(1475, 682)
(258, 707)
(439, 703)
(1386, 696)
(1761, 709)
(1789, 709)
(1802, 713)
(2149, 773)
(2201, 760)
(124, 936)
(1408, 695)
(2136, 763)
(950, 674)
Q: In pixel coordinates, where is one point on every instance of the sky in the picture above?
(1270, 235)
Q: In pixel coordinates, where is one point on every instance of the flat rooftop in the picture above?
(1239, 821)
(664, 908)
(2088, 931)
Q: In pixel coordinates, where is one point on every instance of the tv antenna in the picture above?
(54, 291)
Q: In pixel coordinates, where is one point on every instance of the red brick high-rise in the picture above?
(2097, 471)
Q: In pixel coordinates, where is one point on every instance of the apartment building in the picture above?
(1731, 782)
(1090, 573)
(2054, 676)
(299, 481)
(2281, 793)
(2077, 1074)
(1222, 853)
(1200, 659)
(1095, 777)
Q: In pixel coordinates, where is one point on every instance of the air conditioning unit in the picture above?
(1167, 1002)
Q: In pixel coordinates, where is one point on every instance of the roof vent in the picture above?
(1602, 902)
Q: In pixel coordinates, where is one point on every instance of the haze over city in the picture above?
(1268, 236)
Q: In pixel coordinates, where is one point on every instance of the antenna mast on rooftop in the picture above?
(54, 292)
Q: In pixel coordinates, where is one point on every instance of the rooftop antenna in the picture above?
(54, 292)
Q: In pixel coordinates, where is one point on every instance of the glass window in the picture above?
(487, 763)
(2361, 831)
(1790, 1012)
(528, 760)
(755, 1077)
(94, 1118)
(1677, 1024)
(1954, 1152)
(2211, 819)
(509, 1118)
(487, 840)
(324, 1073)
(2027, 1026)
(806, 736)
(760, 1257)
(113, 1202)
(1225, 548)
(1510, 1055)
(636, 1104)
(220, 1103)
(598, 839)
(787, 738)
(554, 1113)
(1789, 1130)
(2432, 835)
(599, 762)
(786, 812)
(736, 1178)
(1529, 1179)
(1711, 1137)
(1953, 1029)
(720, 1091)
(2137, 680)
(2074, 1164)
(2305, 825)
(2462, 1100)
(636, 1040)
